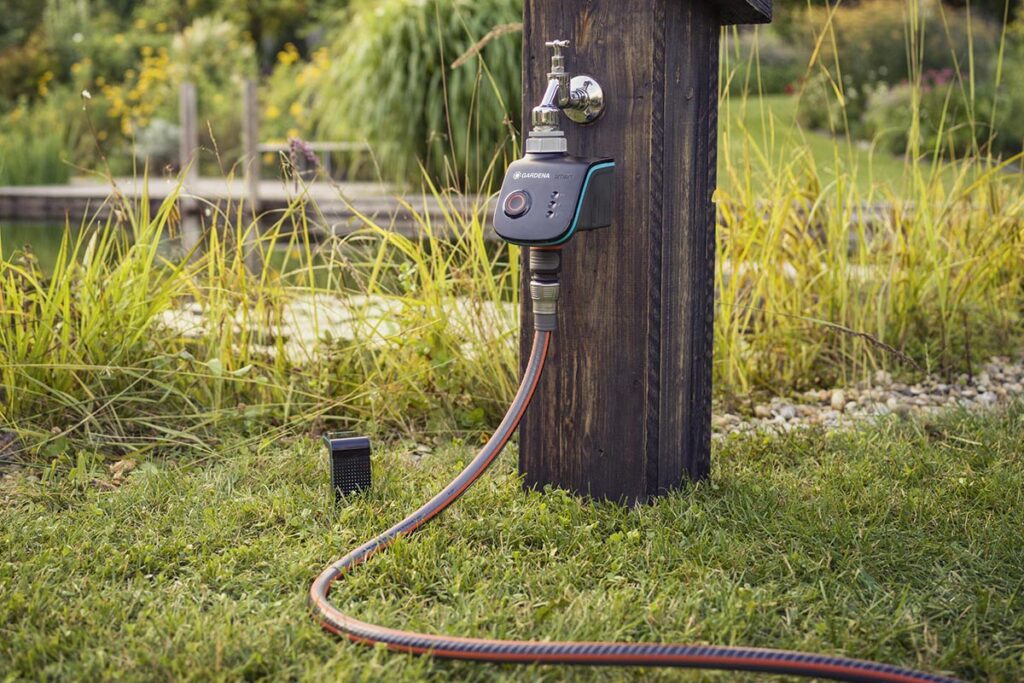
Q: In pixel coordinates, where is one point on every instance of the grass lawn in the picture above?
(900, 543)
(767, 125)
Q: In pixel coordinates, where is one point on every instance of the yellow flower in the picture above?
(119, 38)
(289, 55)
(293, 132)
(271, 112)
(296, 109)
(161, 27)
(146, 50)
(41, 83)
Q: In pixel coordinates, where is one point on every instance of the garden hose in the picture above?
(594, 653)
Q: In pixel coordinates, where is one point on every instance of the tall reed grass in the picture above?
(819, 280)
(127, 345)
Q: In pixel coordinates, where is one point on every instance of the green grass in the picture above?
(769, 123)
(900, 543)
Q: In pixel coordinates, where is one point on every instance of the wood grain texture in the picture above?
(623, 411)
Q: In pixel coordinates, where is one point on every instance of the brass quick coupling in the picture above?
(544, 267)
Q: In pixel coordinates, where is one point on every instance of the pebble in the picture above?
(987, 399)
(1001, 380)
(838, 399)
(720, 422)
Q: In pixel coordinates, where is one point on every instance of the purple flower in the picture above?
(298, 146)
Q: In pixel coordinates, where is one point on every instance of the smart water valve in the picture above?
(546, 198)
(548, 195)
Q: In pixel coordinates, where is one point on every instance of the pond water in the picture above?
(43, 238)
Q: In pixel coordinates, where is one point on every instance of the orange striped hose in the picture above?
(511, 651)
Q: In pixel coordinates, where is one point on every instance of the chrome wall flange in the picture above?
(586, 100)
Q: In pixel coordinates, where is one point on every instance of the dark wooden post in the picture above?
(624, 408)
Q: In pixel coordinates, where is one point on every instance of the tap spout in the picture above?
(544, 116)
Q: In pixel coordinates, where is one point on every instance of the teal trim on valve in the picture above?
(579, 205)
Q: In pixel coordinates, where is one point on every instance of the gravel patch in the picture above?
(1000, 381)
(308, 320)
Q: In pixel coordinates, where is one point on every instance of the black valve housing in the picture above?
(545, 198)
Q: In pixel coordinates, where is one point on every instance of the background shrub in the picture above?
(24, 69)
(215, 56)
(35, 142)
(768, 63)
(940, 67)
(869, 42)
(391, 83)
(945, 121)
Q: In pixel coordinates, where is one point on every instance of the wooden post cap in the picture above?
(743, 11)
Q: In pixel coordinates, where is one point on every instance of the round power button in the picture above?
(517, 203)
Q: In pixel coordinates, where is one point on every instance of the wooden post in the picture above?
(251, 173)
(624, 408)
(188, 158)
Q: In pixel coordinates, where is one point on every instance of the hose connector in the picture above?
(544, 296)
(544, 267)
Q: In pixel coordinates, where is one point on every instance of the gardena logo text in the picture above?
(535, 174)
